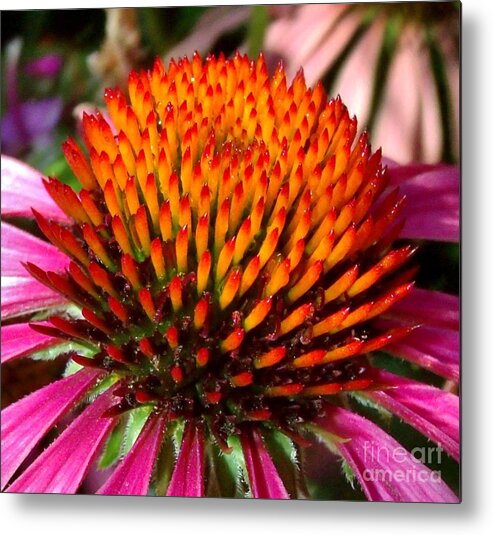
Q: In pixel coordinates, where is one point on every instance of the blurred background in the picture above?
(395, 65)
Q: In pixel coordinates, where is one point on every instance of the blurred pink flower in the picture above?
(396, 65)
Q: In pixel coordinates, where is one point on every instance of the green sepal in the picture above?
(135, 423)
(224, 479)
(285, 455)
(167, 458)
(113, 447)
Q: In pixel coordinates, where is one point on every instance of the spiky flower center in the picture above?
(230, 245)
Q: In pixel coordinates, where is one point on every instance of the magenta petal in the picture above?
(431, 411)
(62, 467)
(432, 208)
(21, 294)
(436, 350)
(19, 340)
(385, 470)
(25, 422)
(435, 345)
(132, 476)
(188, 476)
(436, 309)
(265, 481)
(22, 189)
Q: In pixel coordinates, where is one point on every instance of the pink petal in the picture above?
(19, 340)
(431, 411)
(22, 189)
(132, 476)
(188, 476)
(435, 345)
(432, 207)
(265, 481)
(436, 350)
(436, 309)
(25, 422)
(385, 470)
(62, 467)
(21, 294)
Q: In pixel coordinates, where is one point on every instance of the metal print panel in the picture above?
(230, 252)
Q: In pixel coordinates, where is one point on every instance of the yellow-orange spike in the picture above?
(221, 226)
(157, 258)
(132, 196)
(93, 240)
(181, 248)
(90, 207)
(200, 313)
(325, 389)
(292, 389)
(389, 263)
(165, 221)
(306, 282)
(119, 310)
(391, 335)
(127, 154)
(202, 357)
(325, 228)
(174, 197)
(224, 259)
(202, 235)
(147, 303)
(203, 271)
(382, 304)
(250, 274)
(164, 173)
(121, 235)
(230, 289)
(270, 358)
(296, 254)
(347, 350)
(82, 280)
(329, 324)
(79, 164)
(237, 207)
(102, 279)
(172, 337)
(142, 229)
(130, 271)
(279, 278)
(233, 341)
(96, 321)
(296, 318)
(242, 379)
(341, 284)
(70, 243)
(204, 201)
(341, 249)
(268, 246)
(312, 358)
(152, 201)
(120, 171)
(185, 213)
(258, 314)
(111, 198)
(242, 240)
(175, 293)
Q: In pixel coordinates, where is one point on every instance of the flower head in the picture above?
(218, 285)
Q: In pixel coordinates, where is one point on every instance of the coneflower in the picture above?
(218, 285)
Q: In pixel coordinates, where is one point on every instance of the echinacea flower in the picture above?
(218, 287)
